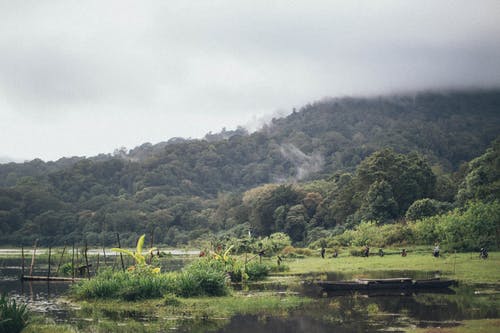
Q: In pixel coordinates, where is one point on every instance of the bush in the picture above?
(13, 317)
(203, 277)
(257, 271)
(426, 208)
(467, 230)
(125, 285)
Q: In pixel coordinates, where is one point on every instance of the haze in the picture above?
(86, 77)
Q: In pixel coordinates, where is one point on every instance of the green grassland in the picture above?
(464, 267)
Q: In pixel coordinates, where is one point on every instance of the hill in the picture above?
(178, 187)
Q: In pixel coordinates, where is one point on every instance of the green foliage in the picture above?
(475, 227)
(140, 260)
(483, 179)
(426, 208)
(392, 182)
(125, 285)
(203, 277)
(13, 317)
(273, 244)
(257, 271)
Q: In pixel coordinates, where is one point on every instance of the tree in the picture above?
(483, 179)
(425, 208)
(379, 204)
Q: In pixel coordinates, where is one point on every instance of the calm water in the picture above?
(356, 312)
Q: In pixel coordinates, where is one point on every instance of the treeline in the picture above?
(349, 160)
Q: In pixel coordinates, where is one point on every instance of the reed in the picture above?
(13, 317)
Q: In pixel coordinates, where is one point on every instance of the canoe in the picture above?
(384, 284)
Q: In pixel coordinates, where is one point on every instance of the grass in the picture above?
(464, 267)
(13, 317)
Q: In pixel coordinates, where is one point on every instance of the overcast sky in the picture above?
(86, 77)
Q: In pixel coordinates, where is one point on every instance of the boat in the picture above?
(384, 284)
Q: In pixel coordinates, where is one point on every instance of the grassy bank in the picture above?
(465, 267)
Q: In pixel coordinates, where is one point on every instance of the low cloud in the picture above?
(305, 164)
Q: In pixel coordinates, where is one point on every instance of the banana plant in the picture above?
(140, 260)
(225, 257)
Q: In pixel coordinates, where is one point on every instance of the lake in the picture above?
(354, 312)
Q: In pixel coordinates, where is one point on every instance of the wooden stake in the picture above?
(60, 260)
(86, 260)
(120, 246)
(33, 257)
(104, 254)
(48, 273)
(73, 262)
(22, 262)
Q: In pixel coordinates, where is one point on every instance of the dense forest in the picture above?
(330, 167)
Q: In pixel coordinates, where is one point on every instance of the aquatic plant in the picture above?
(13, 317)
(203, 277)
(139, 258)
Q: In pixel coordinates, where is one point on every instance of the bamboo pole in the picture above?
(22, 261)
(33, 257)
(97, 266)
(86, 260)
(73, 262)
(48, 273)
(119, 246)
(60, 260)
(104, 254)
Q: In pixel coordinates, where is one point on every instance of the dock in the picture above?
(49, 278)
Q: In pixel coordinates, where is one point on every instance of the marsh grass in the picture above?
(203, 277)
(14, 317)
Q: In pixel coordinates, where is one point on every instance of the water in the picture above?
(352, 312)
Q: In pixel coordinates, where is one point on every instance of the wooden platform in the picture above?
(49, 278)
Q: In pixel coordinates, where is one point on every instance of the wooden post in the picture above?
(119, 246)
(151, 246)
(33, 257)
(104, 254)
(73, 262)
(97, 267)
(86, 260)
(22, 262)
(455, 263)
(60, 260)
(48, 273)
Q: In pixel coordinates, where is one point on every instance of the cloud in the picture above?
(163, 64)
(304, 164)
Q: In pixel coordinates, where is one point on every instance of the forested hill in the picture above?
(182, 177)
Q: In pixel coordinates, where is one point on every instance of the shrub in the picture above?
(203, 277)
(467, 230)
(256, 271)
(125, 285)
(426, 207)
(13, 317)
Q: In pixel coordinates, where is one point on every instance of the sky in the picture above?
(79, 78)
